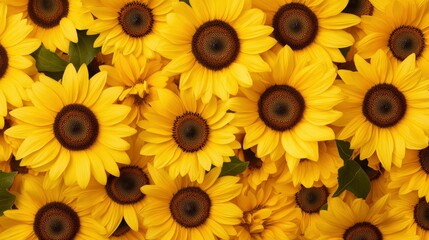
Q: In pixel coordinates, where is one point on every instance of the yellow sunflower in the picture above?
(48, 214)
(186, 135)
(214, 45)
(266, 214)
(386, 110)
(313, 29)
(289, 109)
(129, 26)
(140, 78)
(357, 220)
(182, 209)
(73, 128)
(15, 48)
(120, 200)
(54, 21)
(400, 29)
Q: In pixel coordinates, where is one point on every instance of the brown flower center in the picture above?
(190, 207)
(136, 19)
(359, 7)
(215, 45)
(56, 221)
(281, 107)
(122, 229)
(311, 200)
(295, 25)
(47, 13)
(4, 61)
(406, 40)
(76, 127)
(15, 167)
(191, 132)
(255, 163)
(125, 189)
(424, 159)
(363, 230)
(384, 105)
(421, 214)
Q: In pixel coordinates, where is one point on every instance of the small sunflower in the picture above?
(55, 21)
(73, 128)
(214, 45)
(186, 135)
(266, 214)
(182, 209)
(400, 29)
(357, 220)
(413, 175)
(140, 78)
(48, 214)
(15, 50)
(386, 110)
(313, 29)
(289, 109)
(129, 26)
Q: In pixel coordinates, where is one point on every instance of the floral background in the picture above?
(244, 119)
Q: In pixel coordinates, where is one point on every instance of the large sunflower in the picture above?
(54, 21)
(73, 128)
(15, 48)
(129, 26)
(387, 109)
(313, 29)
(357, 220)
(400, 28)
(48, 214)
(186, 135)
(183, 209)
(214, 45)
(289, 109)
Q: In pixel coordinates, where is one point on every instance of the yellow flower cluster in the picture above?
(214, 119)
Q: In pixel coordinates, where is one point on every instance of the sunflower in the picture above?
(124, 232)
(186, 135)
(214, 45)
(54, 21)
(386, 109)
(313, 29)
(129, 26)
(140, 78)
(182, 209)
(357, 220)
(413, 175)
(414, 212)
(288, 109)
(120, 200)
(15, 48)
(400, 29)
(48, 214)
(266, 214)
(73, 128)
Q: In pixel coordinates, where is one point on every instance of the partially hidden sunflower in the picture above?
(73, 129)
(130, 26)
(15, 49)
(288, 111)
(186, 135)
(214, 45)
(386, 110)
(48, 214)
(183, 209)
(313, 29)
(55, 22)
(400, 28)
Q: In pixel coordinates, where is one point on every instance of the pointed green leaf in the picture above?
(324, 207)
(83, 52)
(6, 198)
(47, 61)
(353, 178)
(233, 168)
(344, 150)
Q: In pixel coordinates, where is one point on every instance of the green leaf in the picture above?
(83, 51)
(47, 61)
(345, 51)
(344, 150)
(233, 168)
(6, 198)
(353, 178)
(324, 207)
